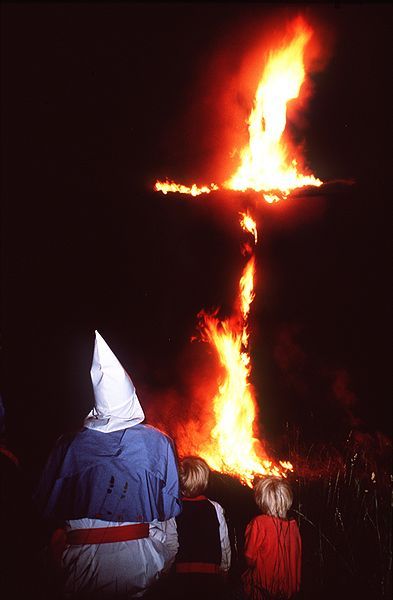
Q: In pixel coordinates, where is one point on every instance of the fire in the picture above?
(267, 165)
(265, 162)
(233, 447)
(246, 286)
(248, 224)
(194, 190)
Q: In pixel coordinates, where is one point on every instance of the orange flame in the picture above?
(246, 286)
(265, 162)
(248, 224)
(233, 447)
(266, 165)
(194, 190)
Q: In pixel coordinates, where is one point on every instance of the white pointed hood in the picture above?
(116, 403)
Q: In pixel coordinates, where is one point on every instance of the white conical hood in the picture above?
(116, 403)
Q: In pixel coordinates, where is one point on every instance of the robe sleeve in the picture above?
(43, 493)
(166, 533)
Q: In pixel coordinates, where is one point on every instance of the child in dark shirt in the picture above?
(204, 554)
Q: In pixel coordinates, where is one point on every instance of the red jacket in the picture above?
(273, 553)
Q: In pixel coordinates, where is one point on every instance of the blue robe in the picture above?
(127, 475)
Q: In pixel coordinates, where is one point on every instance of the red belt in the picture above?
(107, 535)
(101, 535)
(197, 567)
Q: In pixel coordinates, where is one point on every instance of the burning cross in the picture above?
(265, 167)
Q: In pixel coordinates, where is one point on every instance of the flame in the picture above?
(248, 224)
(246, 286)
(265, 162)
(194, 190)
(233, 447)
(267, 165)
(270, 198)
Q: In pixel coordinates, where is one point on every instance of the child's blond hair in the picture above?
(273, 496)
(194, 476)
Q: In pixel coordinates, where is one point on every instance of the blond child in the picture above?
(204, 553)
(272, 544)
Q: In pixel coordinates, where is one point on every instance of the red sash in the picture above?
(100, 535)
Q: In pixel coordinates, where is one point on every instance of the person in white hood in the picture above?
(111, 491)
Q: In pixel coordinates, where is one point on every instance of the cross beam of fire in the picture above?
(265, 166)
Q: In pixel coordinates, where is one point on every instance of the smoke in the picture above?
(290, 357)
(339, 435)
(185, 413)
(345, 396)
(320, 388)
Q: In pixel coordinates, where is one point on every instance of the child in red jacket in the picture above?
(272, 544)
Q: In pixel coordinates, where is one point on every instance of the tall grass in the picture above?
(343, 504)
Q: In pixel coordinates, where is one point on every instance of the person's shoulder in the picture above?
(149, 431)
(216, 504)
(74, 441)
(259, 521)
(76, 436)
(65, 439)
(260, 518)
(220, 510)
(77, 432)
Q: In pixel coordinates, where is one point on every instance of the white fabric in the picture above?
(115, 569)
(116, 403)
(224, 537)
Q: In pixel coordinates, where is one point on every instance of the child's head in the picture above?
(194, 476)
(273, 496)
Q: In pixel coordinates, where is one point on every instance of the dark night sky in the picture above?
(99, 100)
